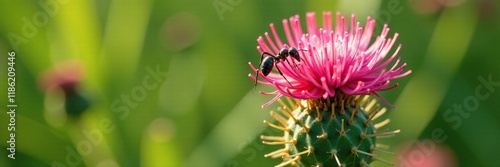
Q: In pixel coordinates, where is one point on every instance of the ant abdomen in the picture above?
(267, 65)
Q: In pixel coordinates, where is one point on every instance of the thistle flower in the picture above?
(332, 59)
(66, 76)
(328, 118)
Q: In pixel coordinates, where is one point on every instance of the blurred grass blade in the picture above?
(244, 122)
(35, 140)
(124, 37)
(361, 8)
(158, 147)
(425, 91)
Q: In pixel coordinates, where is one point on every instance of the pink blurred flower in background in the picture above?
(66, 76)
(426, 154)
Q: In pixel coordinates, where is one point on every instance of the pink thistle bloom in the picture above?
(65, 75)
(331, 60)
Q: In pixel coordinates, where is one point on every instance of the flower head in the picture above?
(332, 59)
(66, 76)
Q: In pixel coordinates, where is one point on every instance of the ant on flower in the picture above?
(268, 62)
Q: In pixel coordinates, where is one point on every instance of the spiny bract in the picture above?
(337, 131)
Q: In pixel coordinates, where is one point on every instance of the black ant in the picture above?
(268, 62)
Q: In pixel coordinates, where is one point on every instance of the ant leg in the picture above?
(296, 66)
(282, 74)
(288, 61)
(256, 77)
(258, 67)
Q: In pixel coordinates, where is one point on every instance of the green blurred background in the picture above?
(202, 113)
